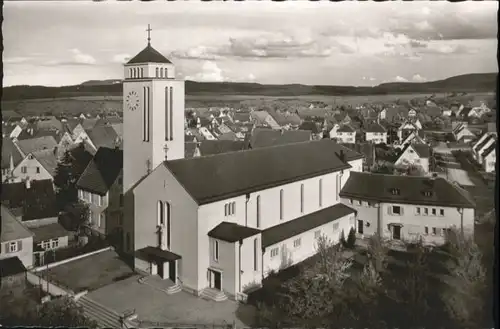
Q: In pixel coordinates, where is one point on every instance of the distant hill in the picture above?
(486, 82)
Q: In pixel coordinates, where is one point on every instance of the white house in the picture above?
(481, 145)
(38, 165)
(213, 225)
(205, 132)
(15, 239)
(376, 133)
(408, 207)
(415, 137)
(15, 132)
(344, 134)
(489, 157)
(464, 134)
(416, 155)
(405, 129)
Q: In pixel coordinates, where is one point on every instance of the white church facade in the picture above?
(220, 223)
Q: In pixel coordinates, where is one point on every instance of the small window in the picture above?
(371, 204)
(434, 211)
(24, 170)
(426, 211)
(216, 250)
(441, 212)
(335, 227)
(441, 231)
(296, 243)
(37, 170)
(301, 198)
(350, 201)
(274, 252)
(317, 234)
(396, 210)
(428, 193)
(360, 203)
(426, 230)
(54, 243)
(395, 191)
(13, 246)
(417, 211)
(255, 254)
(434, 231)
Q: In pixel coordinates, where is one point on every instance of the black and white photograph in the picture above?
(249, 164)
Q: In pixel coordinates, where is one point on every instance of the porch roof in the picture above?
(232, 232)
(303, 224)
(155, 254)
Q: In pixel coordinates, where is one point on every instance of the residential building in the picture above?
(101, 187)
(27, 146)
(376, 133)
(415, 155)
(12, 275)
(47, 238)
(15, 239)
(405, 129)
(483, 143)
(463, 134)
(265, 137)
(264, 119)
(11, 157)
(408, 208)
(489, 157)
(344, 134)
(40, 165)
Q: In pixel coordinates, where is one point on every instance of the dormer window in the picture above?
(395, 191)
(427, 193)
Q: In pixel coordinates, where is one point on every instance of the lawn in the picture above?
(91, 272)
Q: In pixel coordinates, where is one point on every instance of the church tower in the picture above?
(153, 114)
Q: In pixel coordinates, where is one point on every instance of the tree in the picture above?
(351, 239)
(77, 215)
(65, 180)
(378, 252)
(343, 241)
(466, 282)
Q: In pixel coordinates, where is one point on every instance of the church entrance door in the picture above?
(160, 269)
(172, 270)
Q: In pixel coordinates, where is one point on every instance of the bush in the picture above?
(343, 242)
(351, 239)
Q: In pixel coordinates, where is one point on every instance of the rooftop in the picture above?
(410, 190)
(213, 147)
(218, 177)
(37, 144)
(265, 137)
(12, 229)
(149, 55)
(102, 171)
(232, 232)
(11, 266)
(47, 232)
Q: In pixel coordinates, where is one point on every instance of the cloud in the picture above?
(418, 78)
(400, 79)
(16, 60)
(210, 72)
(121, 58)
(77, 58)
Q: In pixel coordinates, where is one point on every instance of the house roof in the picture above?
(37, 202)
(346, 129)
(88, 124)
(484, 142)
(42, 133)
(37, 144)
(50, 123)
(102, 171)
(285, 118)
(228, 136)
(149, 55)
(305, 223)
(118, 128)
(47, 159)
(377, 187)
(8, 115)
(12, 229)
(375, 128)
(232, 232)
(190, 149)
(189, 138)
(356, 151)
(218, 177)
(104, 136)
(10, 149)
(81, 158)
(220, 146)
(11, 266)
(242, 116)
(489, 149)
(423, 150)
(47, 232)
(310, 126)
(264, 137)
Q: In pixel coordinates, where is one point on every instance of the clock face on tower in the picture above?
(132, 100)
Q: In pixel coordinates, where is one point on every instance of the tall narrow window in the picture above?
(165, 73)
(216, 250)
(168, 214)
(281, 203)
(167, 113)
(171, 114)
(157, 74)
(161, 216)
(255, 262)
(338, 188)
(146, 109)
(130, 73)
(301, 197)
(320, 192)
(258, 211)
(142, 72)
(144, 114)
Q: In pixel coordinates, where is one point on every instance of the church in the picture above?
(216, 225)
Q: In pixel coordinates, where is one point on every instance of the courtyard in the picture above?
(89, 273)
(155, 307)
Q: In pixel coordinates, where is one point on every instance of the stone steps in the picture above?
(174, 289)
(104, 317)
(214, 294)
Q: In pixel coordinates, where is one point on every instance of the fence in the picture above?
(48, 287)
(51, 265)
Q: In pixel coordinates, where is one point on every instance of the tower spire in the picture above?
(149, 34)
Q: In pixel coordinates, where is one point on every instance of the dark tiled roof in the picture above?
(47, 159)
(375, 128)
(149, 55)
(346, 129)
(88, 124)
(156, 254)
(358, 149)
(37, 202)
(102, 171)
(483, 143)
(217, 177)
(10, 115)
(264, 137)
(189, 138)
(47, 232)
(81, 158)
(242, 117)
(103, 136)
(37, 144)
(310, 126)
(303, 224)
(231, 232)
(489, 149)
(378, 187)
(423, 150)
(11, 266)
(220, 146)
(8, 150)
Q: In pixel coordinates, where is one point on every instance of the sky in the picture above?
(315, 43)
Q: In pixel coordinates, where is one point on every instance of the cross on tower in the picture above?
(165, 148)
(149, 34)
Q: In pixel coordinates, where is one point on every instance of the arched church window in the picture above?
(134, 75)
(130, 73)
(142, 72)
(165, 73)
(157, 74)
(161, 214)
